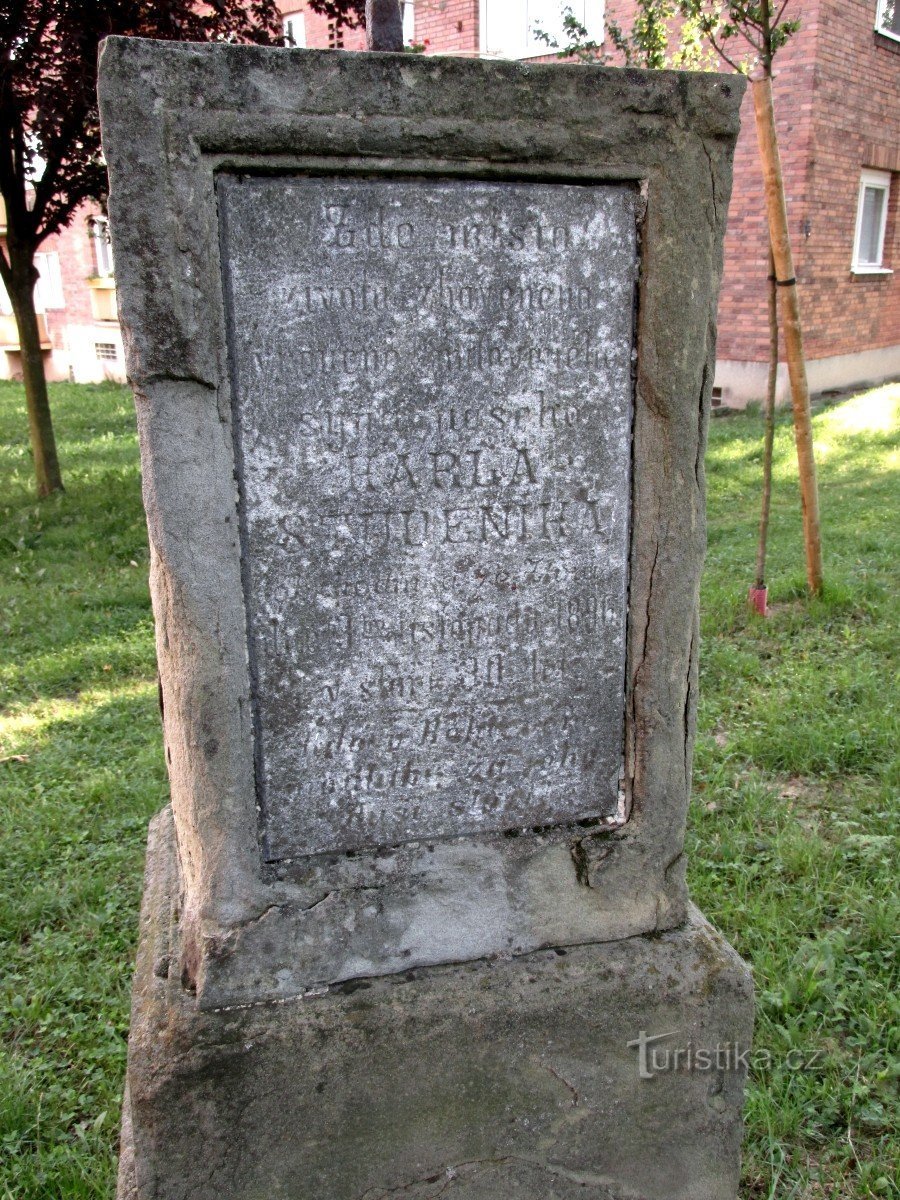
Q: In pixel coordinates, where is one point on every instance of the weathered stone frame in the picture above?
(248, 933)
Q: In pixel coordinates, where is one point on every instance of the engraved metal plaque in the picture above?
(432, 401)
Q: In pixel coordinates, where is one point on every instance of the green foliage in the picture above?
(687, 35)
(578, 44)
(648, 44)
(660, 36)
(792, 845)
(760, 24)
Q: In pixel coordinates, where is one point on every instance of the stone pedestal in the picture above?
(493, 1080)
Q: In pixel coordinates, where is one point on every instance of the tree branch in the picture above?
(777, 20)
(721, 53)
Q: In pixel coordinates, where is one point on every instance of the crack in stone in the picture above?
(582, 866)
(698, 458)
(284, 905)
(587, 854)
(712, 178)
(449, 1175)
(159, 377)
(573, 1091)
(643, 657)
(665, 875)
(687, 717)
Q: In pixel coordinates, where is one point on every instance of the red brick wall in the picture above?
(444, 26)
(76, 263)
(836, 90)
(448, 26)
(856, 124)
(319, 34)
(743, 321)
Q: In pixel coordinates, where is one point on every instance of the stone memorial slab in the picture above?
(432, 394)
(422, 352)
(421, 389)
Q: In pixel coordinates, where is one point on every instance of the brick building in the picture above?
(76, 302)
(837, 97)
(837, 103)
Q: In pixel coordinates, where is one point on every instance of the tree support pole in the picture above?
(793, 335)
(758, 593)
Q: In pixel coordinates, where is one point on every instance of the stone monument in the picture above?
(422, 355)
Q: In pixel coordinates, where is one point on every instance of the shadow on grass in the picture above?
(86, 654)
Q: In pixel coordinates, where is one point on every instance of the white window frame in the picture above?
(408, 11)
(294, 28)
(882, 181)
(879, 20)
(48, 291)
(594, 22)
(102, 247)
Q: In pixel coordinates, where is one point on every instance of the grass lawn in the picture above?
(792, 839)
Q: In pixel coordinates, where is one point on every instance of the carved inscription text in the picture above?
(432, 403)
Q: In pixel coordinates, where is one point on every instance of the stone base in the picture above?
(484, 1081)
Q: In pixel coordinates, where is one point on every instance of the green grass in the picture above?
(792, 847)
(792, 841)
(80, 775)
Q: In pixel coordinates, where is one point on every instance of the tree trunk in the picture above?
(769, 438)
(20, 287)
(384, 25)
(793, 336)
(40, 424)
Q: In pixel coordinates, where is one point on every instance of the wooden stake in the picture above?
(769, 439)
(793, 335)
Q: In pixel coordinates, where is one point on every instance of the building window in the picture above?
(409, 22)
(871, 221)
(294, 26)
(48, 292)
(103, 259)
(508, 26)
(106, 351)
(335, 35)
(888, 19)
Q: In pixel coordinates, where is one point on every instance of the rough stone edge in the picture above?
(126, 1184)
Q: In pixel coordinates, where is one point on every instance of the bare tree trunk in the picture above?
(37, 402)
(793, 336)
(769, 439)
(384, 25)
